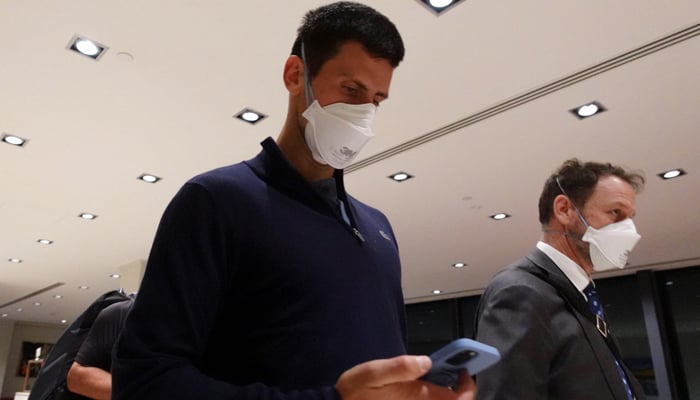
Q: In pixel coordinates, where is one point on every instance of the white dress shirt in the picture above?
(573, 271)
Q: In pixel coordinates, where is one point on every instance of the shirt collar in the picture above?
(573, 271)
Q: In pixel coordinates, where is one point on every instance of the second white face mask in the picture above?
(611, 245)
(337, 132)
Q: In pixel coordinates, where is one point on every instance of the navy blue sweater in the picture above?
(256, 288)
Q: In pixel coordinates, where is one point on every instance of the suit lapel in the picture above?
(549, 272)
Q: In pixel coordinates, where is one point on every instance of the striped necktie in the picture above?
(597, 310)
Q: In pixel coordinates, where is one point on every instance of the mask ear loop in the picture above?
(572, 203)
(308, 92)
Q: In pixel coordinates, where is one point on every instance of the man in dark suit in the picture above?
(542, 312)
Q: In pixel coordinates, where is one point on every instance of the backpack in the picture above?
(50, 384)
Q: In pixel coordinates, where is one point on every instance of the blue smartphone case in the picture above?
(458, 355)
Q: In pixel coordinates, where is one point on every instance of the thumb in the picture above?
(378, 373)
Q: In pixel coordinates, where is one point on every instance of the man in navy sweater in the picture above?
(266, 280)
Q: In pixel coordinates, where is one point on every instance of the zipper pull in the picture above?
(358, 234)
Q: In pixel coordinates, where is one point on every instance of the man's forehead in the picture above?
(614, 190)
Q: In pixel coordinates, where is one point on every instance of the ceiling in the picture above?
(479, 115)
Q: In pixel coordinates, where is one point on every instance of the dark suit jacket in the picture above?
(549, 346)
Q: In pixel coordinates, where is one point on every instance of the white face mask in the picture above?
(611, 245)
(337, 132)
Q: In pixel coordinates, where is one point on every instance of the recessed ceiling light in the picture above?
(5, 315)
(459, 265)
(400, 176)
(36, 303)
(674, 173)
(250, 116)
(436, 291)
(45, 241)
(13, 140)
(149, 178)
(439, 6)
(20, 309)
(57, 296)
(83, 287)
(63, 321)
(14, 260)
(588, 110)
(87, 47)
(499, 216)
(87, 216)
(115, 276)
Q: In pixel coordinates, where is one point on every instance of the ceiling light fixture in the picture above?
(149, 178)
(83, 287)
(400, 176)
(37, 304)
(63, 321)
(115, 276)
(439, 6)
(250, 116)
(14, 260)
(499, 216)
(588, 110)
(674, 173)
(436, 291)
(57, 296)
(5, 315)
(459, 265)
(45, 241)
(87, 216)
(87, 47)
(13, 140)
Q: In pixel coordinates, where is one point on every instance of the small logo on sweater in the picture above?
(384, 235)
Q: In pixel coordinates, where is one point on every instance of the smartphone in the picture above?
(461, 354)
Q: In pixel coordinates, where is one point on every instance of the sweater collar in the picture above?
(272, 166)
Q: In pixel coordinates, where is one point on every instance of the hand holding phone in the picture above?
(458, 355)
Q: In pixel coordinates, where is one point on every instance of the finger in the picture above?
(378, 373)
(466, 388)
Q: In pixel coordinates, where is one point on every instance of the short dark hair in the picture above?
(578, 180)
(325, 29)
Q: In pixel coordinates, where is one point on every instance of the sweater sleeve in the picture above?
(514, 319)
(160, 354)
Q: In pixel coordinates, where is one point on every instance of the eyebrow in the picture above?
(620, 204)
(383, 95)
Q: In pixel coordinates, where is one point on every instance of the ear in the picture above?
(563, 210)
(294, 75)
